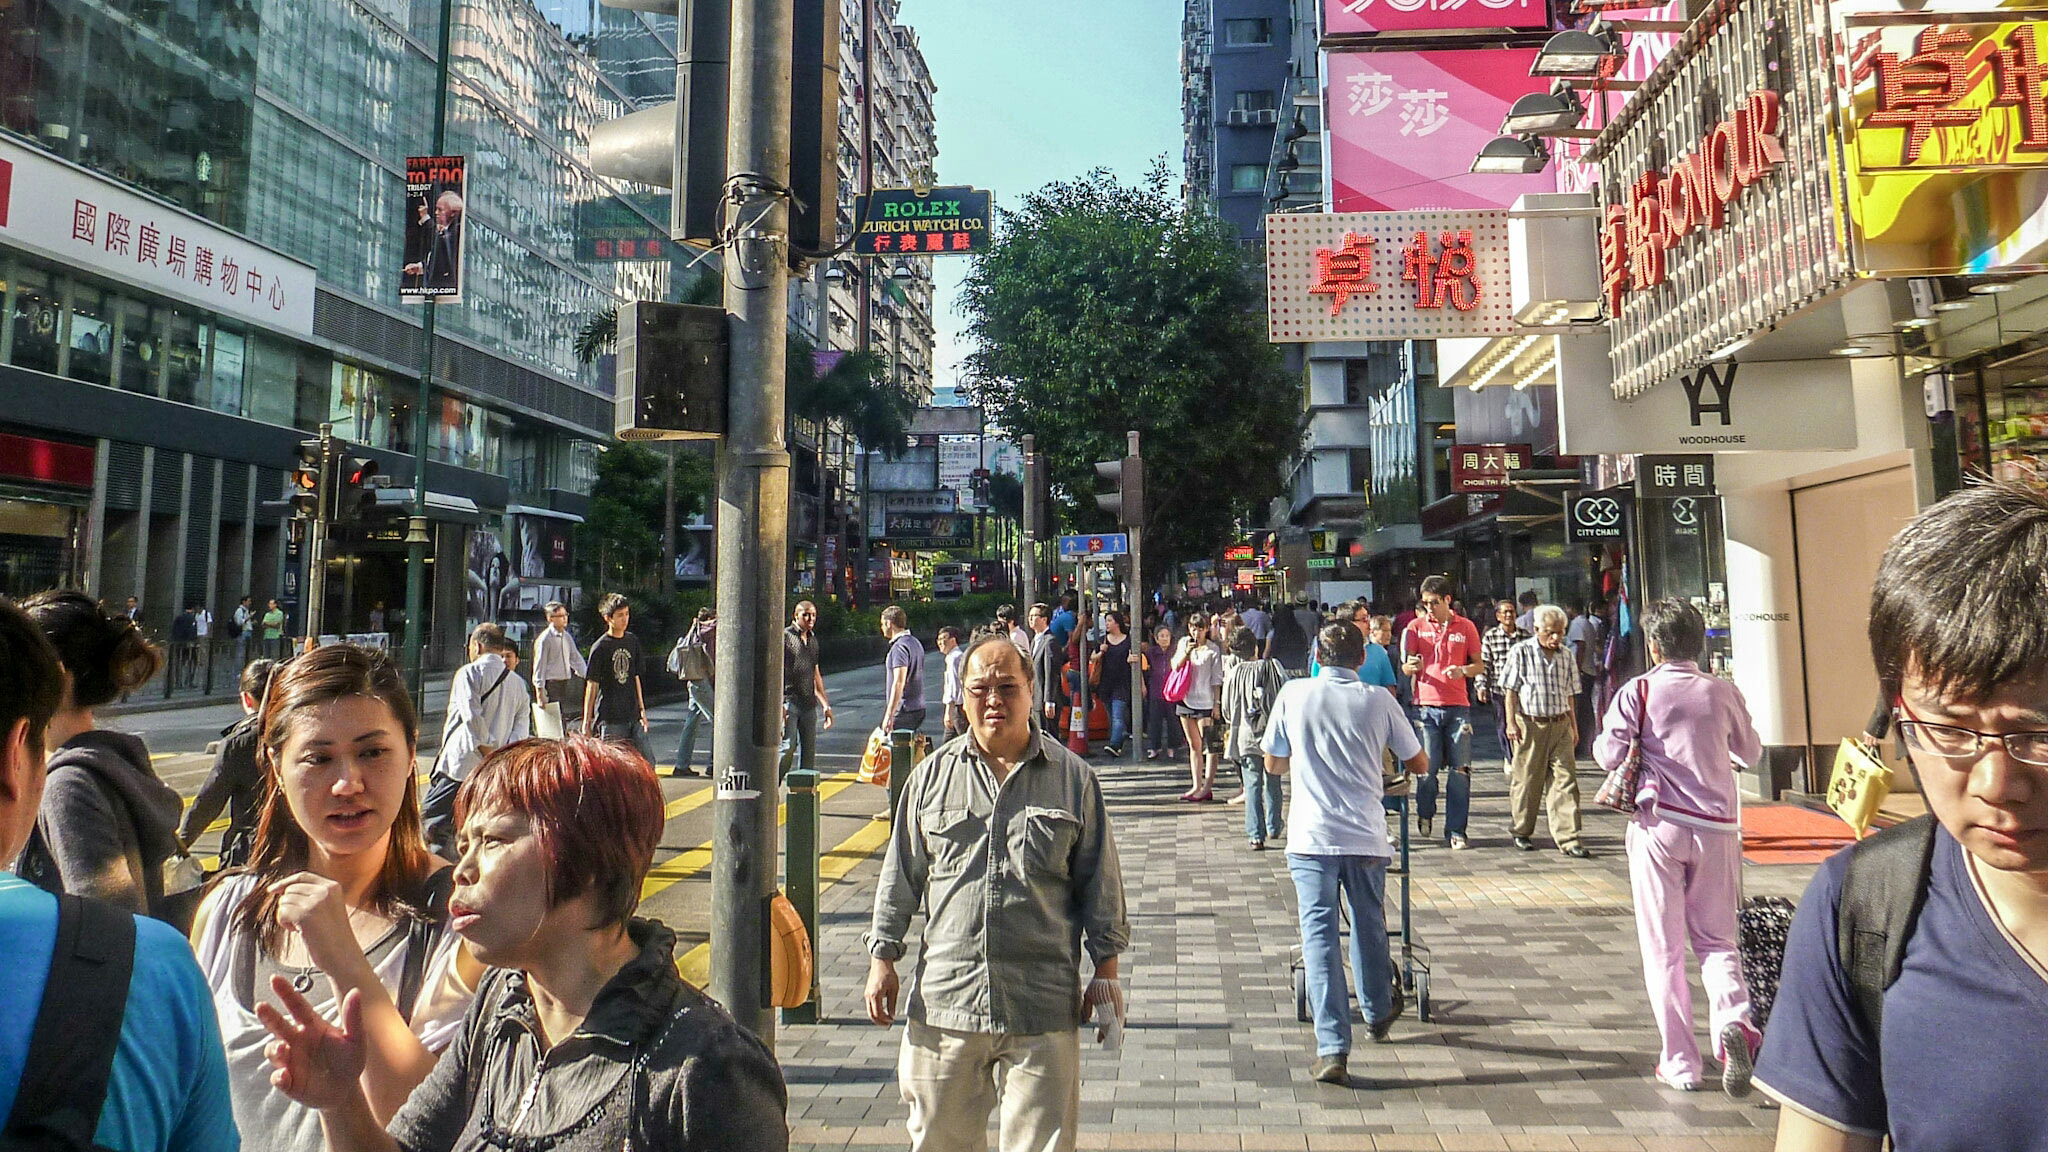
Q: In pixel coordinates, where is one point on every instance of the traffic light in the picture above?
(1127, 500)
(681, 145)
(359, 491)
(312, 480)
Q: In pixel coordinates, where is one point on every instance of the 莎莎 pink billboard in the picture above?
(1404, 127)
(1341, 17)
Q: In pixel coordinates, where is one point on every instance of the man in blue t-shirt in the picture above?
(1959, 632)
(903, 672)
(168, 1091)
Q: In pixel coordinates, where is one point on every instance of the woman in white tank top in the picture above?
(340, 894)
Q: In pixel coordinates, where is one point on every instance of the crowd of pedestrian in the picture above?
(381, 966)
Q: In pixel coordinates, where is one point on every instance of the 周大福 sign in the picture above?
(1387, 276)
(952, 221)
(1486, 467)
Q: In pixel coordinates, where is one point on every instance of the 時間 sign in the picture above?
(951, 221)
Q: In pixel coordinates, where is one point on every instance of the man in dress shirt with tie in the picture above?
(557, 664)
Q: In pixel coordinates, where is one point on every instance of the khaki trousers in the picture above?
(1542, 774)
(953, 1080)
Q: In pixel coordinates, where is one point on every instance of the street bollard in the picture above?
(900, 743)
(800, 871)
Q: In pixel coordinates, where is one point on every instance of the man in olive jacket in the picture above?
(1004, 840)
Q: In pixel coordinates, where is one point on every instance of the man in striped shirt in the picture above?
(1493, 653)
(1539, 679)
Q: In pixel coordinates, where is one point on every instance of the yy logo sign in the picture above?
(1717, 380)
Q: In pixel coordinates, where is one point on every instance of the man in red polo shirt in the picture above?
(1440, 649)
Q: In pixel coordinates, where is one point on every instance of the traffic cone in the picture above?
(1077, 728)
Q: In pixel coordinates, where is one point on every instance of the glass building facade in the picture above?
(288, 122)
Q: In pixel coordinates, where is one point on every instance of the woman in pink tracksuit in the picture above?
(1685, 842)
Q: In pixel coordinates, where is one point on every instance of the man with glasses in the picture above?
(1958, 899)
(1003, 840)
(1440, 649)
(557, 664)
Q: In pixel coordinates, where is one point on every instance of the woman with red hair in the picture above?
(556, 840)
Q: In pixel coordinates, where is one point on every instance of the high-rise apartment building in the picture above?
(1234, 88)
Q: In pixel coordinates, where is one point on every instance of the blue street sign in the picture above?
(1101, 544)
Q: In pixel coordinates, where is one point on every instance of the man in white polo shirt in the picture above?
(1331, 731)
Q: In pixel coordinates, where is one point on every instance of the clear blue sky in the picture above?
(1033, 91)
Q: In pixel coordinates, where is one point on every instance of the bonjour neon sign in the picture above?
(1664, 208)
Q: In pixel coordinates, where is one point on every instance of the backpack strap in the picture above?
(78, 1028)
(420, 937)
(1882, 894)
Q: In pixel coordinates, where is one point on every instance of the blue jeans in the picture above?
(1261, 800)
(1119, 720)
(697, 711)
(1363, 882)
(1446, 734)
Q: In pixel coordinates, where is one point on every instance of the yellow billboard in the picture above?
(1947, 140)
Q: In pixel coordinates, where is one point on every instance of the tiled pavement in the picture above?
(1540, 1036)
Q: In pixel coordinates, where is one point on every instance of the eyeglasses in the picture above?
(1006, 691)
(1965, 745)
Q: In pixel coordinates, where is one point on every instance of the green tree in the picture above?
(1103, 306)
(619, 541)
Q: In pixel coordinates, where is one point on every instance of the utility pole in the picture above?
(416, 538)
(1031, 525)
(753, 498)
(315, 616)
(1133, 491)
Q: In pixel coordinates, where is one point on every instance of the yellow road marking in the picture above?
(684, 865)
(832, 868)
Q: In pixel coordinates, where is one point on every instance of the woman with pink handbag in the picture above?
(1193, 680)
(1688, 728)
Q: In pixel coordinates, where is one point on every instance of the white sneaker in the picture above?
(1668, 1081)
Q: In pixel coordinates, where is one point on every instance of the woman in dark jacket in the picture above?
(107, 823)
(556, 840)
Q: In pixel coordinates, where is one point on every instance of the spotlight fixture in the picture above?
(1511, 156)
(1579, 52)
(1992, 287)
(1541, 113)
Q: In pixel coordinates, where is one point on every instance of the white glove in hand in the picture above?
(1104, 1000)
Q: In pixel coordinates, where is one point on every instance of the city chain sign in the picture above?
(1387, 276)
(80, 220)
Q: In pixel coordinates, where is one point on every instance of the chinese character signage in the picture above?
(1671, 477)
(1239, 554)
(950, 221)
(1404, 127)
(1486, 467)
(436, 188)
(1346, 17)
(80, 220)
(624, 227)
(930, 530)
(1949, 130)
(1693, 195)
(1387, 275)
(1721, 191)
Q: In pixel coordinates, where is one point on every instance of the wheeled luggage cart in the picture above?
(1411, 970)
